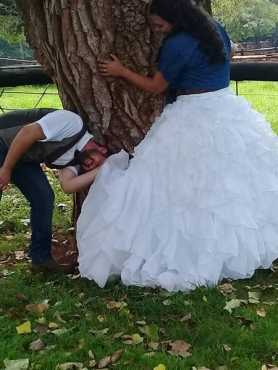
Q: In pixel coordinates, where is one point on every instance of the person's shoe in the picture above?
(52, 266)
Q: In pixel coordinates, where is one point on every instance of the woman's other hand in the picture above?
(112, 68)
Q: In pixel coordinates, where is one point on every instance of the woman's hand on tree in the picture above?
(112, 68)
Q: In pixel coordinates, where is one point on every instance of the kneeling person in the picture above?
(59, 139)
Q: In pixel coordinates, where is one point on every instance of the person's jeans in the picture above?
(33, 183)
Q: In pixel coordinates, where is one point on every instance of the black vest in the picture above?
(40, 152)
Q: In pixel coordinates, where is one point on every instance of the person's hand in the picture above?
(112, 68)
(5, 178)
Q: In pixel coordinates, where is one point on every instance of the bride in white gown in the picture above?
(198, 202)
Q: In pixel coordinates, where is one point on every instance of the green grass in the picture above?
(11, 98)
(80, 307)
(263, 96)
(14, 217)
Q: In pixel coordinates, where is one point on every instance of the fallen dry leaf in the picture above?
(151, 332)
(100, 318)
(116, 356)
(226, 289)
(133, 339)
(141, 323)
(24, 328)
(22, 364)
(254, 297)
(167, 302)
(59, 332)
(61, 206)
(70, 366)
(270, 303)
(41, 329)
(42, 321)
(153, 345)
(118, 335)
(160, 367)
(38, 309)
(106, 361)
(187, 317)
(6, 273)
(21, 297)
(19, 255)
(92, 363)
(232, 304)
(91, 355)
(58, 317)
(114, 305)
(100, 332)
(227, 348)
(261, 312)
(53, 325)
(180, 348)
(37, 345)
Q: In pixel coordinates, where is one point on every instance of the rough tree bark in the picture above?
(70, 36)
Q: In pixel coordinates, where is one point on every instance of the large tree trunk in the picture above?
(70, 36)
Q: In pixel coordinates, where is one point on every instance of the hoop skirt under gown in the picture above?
(196, 204)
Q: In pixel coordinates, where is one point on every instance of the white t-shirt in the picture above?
(62, 124)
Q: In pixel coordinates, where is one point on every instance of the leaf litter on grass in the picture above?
(21, 364)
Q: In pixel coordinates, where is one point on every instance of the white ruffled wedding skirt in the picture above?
(196, 204)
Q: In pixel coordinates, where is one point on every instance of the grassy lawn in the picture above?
(263, 96)
(77, 322)
(10, 97)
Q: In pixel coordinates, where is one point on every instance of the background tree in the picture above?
(8, 7)
(245, 20)
(11, 26)
(12, 39)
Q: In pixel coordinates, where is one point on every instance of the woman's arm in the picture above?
(72, 183)
(115, 68)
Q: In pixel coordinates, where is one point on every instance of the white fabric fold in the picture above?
(196, 204)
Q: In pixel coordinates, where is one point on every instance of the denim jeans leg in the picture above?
(33, 183)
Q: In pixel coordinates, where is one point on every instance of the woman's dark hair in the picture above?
(186, 16)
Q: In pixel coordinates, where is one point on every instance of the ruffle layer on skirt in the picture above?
(196, 204)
